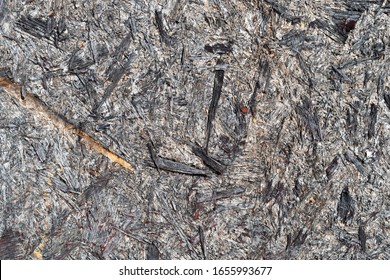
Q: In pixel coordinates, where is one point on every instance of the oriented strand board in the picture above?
(193, 129)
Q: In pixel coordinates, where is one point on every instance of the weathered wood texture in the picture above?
(237, 129)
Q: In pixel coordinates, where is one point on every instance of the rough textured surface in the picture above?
(256, 129)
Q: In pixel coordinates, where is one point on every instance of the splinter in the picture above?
(34, 103)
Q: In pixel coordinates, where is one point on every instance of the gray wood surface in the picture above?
(193, 129)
